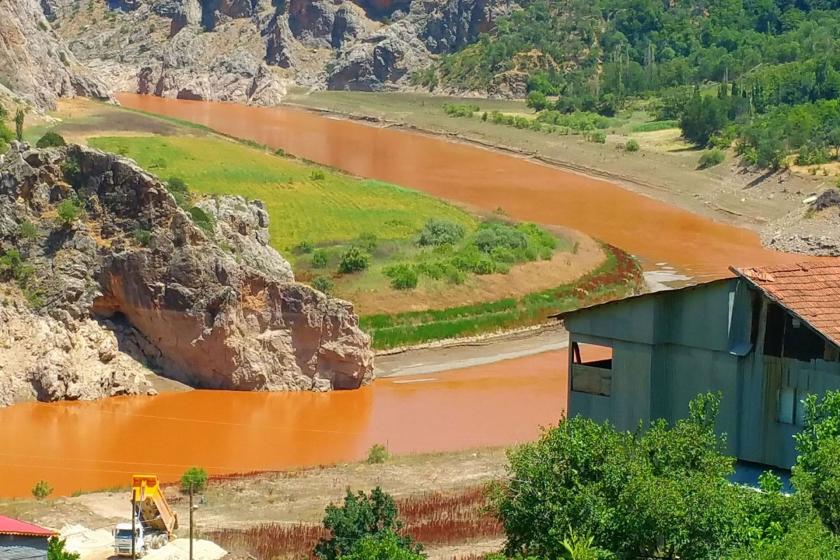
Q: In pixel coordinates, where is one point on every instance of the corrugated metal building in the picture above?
(20, 540)
(765, 339)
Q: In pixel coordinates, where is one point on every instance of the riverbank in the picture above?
(664, 168)
(235, 503)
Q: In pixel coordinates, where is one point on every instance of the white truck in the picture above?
(154, 520)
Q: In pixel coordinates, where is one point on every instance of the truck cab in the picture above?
(122, 539)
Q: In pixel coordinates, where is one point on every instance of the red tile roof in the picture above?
(810, 290)
(9, 526)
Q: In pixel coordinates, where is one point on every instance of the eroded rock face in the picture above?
(215, 310)
(228, 49)
(34, 63)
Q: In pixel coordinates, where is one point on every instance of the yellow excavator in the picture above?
(153, 521)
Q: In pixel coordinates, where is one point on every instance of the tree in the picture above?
(703, 116)
(56, 550)
(536, 100)
(362, 516)
(51, 140)
(20, 116)
(817, 469)
(386, 546)
(195, 478)
(41, 490)
(659, 493)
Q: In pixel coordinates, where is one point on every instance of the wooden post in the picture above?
(191, 521)
(133, 523)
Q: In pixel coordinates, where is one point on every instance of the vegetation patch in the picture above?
(618, 276)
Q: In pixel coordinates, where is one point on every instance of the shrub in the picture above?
(13, 265)
(28, 230)
(377, 454)
(460, 110)
(597, 137)
(441, 232)
(68, 211)
(317, 175)
(319, 258)
(143, 236)
(360, 517)
(403, 276)
(179, 190)
(51, 140)
(56, 550)
(20, 117)
(70, 170)
(195, 478)
(353, 260)
(387, 546)
(711, 158)
(303, 248)
(203, 220)
(496, 234)
(323, 284)
(455, 276)
(631, 146)
(41, 490)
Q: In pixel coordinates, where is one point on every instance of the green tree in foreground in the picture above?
(657, 493)
(56, 550)
(362, 517)
(195, 478)
(353, 260)
(386, 546)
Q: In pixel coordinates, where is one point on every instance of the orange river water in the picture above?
(85, 446)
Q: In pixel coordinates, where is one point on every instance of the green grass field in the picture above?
(305, 202)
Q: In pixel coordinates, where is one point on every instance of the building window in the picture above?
(591, 369)
(790, 406)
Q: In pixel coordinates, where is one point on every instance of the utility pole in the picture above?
(133, 522)
(191, 521)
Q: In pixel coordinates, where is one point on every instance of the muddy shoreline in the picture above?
(657, 192)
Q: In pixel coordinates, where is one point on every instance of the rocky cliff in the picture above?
(34, 62)
(251, 50)
(91, 238)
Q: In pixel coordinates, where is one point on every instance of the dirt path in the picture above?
(477, 351)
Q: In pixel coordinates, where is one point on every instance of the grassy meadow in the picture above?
(306, 203)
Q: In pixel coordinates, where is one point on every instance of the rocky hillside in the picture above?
(112, 267)
(252, 50)
(35, 65)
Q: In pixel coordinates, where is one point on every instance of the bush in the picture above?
(711, 158)
(28, 230)
(597, 137)
(317, 175)
(353, 260)
(323, 284)
(195, 478)
(454, 276)
(387, 546)
(41, 490)
(361, 516)
(377, 454)
(403, 276)
(367, 242)
(56, 550)
(438, 232)
(70, 170)
(68, 211)
(51, 140)
(203, 220)
(631, 146)
(179, 190)
(319, 258)
(491, 235)
(460, 110)
(143, 236)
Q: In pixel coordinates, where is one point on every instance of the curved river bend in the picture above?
(84, 446)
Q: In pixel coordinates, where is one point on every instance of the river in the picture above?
(86, 446)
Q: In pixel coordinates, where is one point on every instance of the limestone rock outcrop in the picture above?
(34, 62)
(250, 51)
(212, 309)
